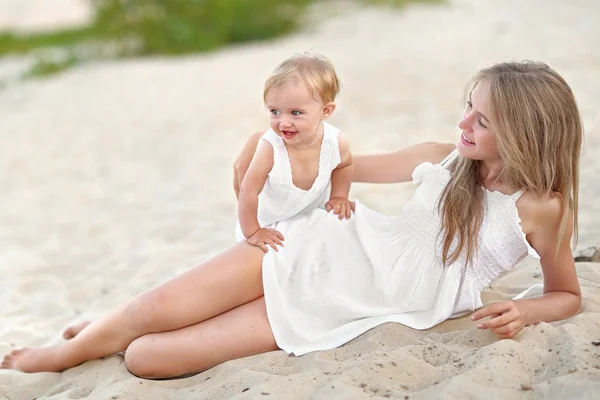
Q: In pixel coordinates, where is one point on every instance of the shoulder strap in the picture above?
(449, 159)
(329, 129)
(280, 162)
(516, 195)
(330, 148)
(271, 137)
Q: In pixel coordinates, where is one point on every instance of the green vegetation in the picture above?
(123, 28)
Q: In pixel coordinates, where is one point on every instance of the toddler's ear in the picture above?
(327, 110)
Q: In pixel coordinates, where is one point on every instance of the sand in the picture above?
(43, 15)
(115, 176)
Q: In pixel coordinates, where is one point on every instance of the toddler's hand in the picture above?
(343, 208)
(266, 236)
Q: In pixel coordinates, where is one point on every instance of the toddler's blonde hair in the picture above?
(312, 69)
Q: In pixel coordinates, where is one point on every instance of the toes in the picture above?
(68, 333)
(6, 362)
(74, 330)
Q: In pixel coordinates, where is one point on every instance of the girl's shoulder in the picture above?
(540, 214)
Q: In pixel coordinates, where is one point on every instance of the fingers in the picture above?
(265, 238)
(348, 210)
(505, 319)
(508, 331)
(274, 239)
(509, 335)
(279, 235)
(277, 241)
(272, 244)
(499, 307)
(342, 208)
(507, 328)
(341, 211)
(498, 321)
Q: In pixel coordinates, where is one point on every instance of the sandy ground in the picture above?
(43, 15)
(116, 176)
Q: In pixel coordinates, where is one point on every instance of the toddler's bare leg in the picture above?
(219, 284)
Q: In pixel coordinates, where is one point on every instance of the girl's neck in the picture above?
(491, 173)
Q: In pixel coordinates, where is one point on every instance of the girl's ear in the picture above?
(327, 110)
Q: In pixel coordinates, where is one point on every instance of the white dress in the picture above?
(334, 280)
(280, 199)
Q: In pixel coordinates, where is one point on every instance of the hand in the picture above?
(266, 236)
(506, 319)
(343, 208)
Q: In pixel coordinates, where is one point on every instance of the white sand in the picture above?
(116, 176)
(43, 15)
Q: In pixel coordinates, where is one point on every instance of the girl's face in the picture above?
(477, 141)
(295, 114)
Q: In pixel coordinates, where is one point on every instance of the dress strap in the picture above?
(449, 159)
(271, 137)
(537, 290)
(281, 170)
(330, 150)
(516, 195)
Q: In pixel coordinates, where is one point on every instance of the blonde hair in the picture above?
(314, 70)
(539, 133)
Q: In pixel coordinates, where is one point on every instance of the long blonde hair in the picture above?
(538, 129)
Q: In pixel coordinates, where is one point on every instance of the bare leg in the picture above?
(237, 333)
(220, 284)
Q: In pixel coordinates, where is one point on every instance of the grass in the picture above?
(171, 27)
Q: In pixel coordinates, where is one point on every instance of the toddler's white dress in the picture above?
(280, 199)
(333, 280)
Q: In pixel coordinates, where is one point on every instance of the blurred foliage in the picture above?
(184, 26)
(13, 43)
(144, 27)
(47, 65)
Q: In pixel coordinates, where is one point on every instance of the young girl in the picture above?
(302, 162)
(509, 189)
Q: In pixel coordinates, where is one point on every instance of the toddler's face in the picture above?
(294, 113)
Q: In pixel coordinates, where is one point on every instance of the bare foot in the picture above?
(74, 330)
(36, 359)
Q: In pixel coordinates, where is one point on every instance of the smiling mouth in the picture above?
(467, 140)
(288, 134)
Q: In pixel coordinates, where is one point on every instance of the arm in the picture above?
(562, 295)
(251, 186)
(398, 167)
(243, 161)
(341, 176)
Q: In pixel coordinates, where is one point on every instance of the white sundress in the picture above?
(280, 199)
(334, 280)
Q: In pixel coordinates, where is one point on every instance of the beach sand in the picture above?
(43, 15)
(115, 176)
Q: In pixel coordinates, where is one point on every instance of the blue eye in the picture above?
(295, 113)
(274, 112)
